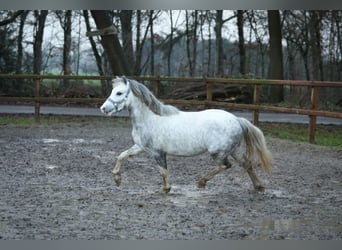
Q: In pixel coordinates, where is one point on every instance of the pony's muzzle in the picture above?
(105, 109)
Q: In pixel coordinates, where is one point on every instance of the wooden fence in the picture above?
(313, 112)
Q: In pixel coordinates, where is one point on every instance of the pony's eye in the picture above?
(119, 93)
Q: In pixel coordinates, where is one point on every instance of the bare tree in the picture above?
(138, 47)
(12, 18)
(19, 63)
(144, 32)
(104, 85)
(127, 35)
(315, 44)
(38, 39)
(111, 43)
(219, 49)
(93, 44)
(297, 37)
(141, 39)
(191, 21)
(242, 50)
(150, 20)
(170, 44)
(65, 21)
(336, 17)
(276, 93)
(257, 45)
(209, 19)
(219, 22)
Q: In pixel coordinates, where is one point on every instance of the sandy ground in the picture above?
(56, 183)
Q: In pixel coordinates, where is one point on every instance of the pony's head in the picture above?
(117, 100)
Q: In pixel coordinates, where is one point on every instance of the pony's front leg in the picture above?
(135, 149)
(160, 157)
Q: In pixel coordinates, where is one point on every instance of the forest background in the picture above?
(265, 44)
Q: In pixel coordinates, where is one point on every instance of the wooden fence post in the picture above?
(36, 102)
(313, 118)
(256, 101)
(209, 89)
(156, 87)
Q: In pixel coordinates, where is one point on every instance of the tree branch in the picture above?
(11, 19)
(229, 18)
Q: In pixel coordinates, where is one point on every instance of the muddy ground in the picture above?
(56, 183)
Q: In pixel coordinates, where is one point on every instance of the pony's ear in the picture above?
(124, 79)
(117, 78)
(120, 78)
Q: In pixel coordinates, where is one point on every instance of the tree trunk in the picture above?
(169, 52)
(105, 88)
(337, 18)
(38, 40)
(219, 49)
(194, 44)
(67, 47)
(139, 64)
(138, 47)
(242, 50)
(93, 44)
(188, 40)
(20, 42)
(209, 67)
(291, 61)
(152, 41)
(111, 44)
(78, 45)
(127, 35)
(276, 93)
(315, 45)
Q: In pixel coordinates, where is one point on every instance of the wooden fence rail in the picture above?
(313, 112)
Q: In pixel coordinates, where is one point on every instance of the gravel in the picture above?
(56, 183)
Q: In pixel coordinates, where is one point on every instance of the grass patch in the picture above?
(326, 135)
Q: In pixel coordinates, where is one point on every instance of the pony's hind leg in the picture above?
(225, 165)
(241, 158)
(135, 149)
(256, 182)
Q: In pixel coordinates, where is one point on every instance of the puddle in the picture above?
(180, 195)
(267, 226)
(51, 167)
(3, 226)
(72, 141)
(136, 184)
(97, 141)
(187, 195)
(78, 141)
(46, 183)
(279, 193)
(50, 140)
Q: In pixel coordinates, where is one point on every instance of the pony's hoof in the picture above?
(201, 184)
(166, 190)
(259, 188)
(117, 179)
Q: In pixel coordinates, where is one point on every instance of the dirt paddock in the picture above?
(56, 183)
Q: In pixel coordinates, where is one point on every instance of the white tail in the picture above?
(256, 145)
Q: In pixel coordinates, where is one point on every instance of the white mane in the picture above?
(145, 96)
